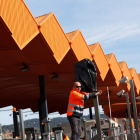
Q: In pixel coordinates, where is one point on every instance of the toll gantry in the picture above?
(36, 64)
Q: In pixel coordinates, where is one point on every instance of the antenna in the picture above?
(109, 102)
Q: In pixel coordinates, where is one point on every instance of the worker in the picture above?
(75, 108)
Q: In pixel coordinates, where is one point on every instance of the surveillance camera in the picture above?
(138, 98)
(124, 79)
(121, 92)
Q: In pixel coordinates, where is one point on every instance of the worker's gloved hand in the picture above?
(98, 93)
(92, 95)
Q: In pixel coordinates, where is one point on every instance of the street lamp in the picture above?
(124, 80)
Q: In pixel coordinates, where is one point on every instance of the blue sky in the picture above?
(115, 24)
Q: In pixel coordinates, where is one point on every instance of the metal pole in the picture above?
(110, 128)
(43, 99)
(97, 115)
(15, 121)
(84, 121)
(90, 113)
(40, 117)
(134, 108)
(44, 108)
(0, 131)
(21, 124)
(129, 114)
(109, 103)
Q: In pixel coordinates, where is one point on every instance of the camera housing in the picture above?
(121, 92)
(123, 80)
(138, 98)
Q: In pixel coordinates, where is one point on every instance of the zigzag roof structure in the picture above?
(43, 45)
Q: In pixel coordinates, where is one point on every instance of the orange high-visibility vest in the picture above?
(76, 103)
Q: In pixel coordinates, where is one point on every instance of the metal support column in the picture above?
(90, 113)
(15, 122)
(126, 113)
(97, 115)
(129, 114)
(40, 117)
(85, 133)
(134, 108)
(44, 107)
(43, 99)
(21, 124)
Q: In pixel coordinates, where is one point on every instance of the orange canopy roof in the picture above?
(42, 44)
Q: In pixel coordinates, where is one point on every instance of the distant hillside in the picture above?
(10, 128)
(35, 123)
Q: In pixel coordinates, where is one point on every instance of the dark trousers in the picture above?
(75, 124)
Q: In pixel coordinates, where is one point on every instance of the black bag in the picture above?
(85, 73)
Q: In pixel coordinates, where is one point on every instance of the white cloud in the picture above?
(124, 32)
(111, 32)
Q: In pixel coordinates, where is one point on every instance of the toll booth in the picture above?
(108, 126)
(111, 129)
(30, 131)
